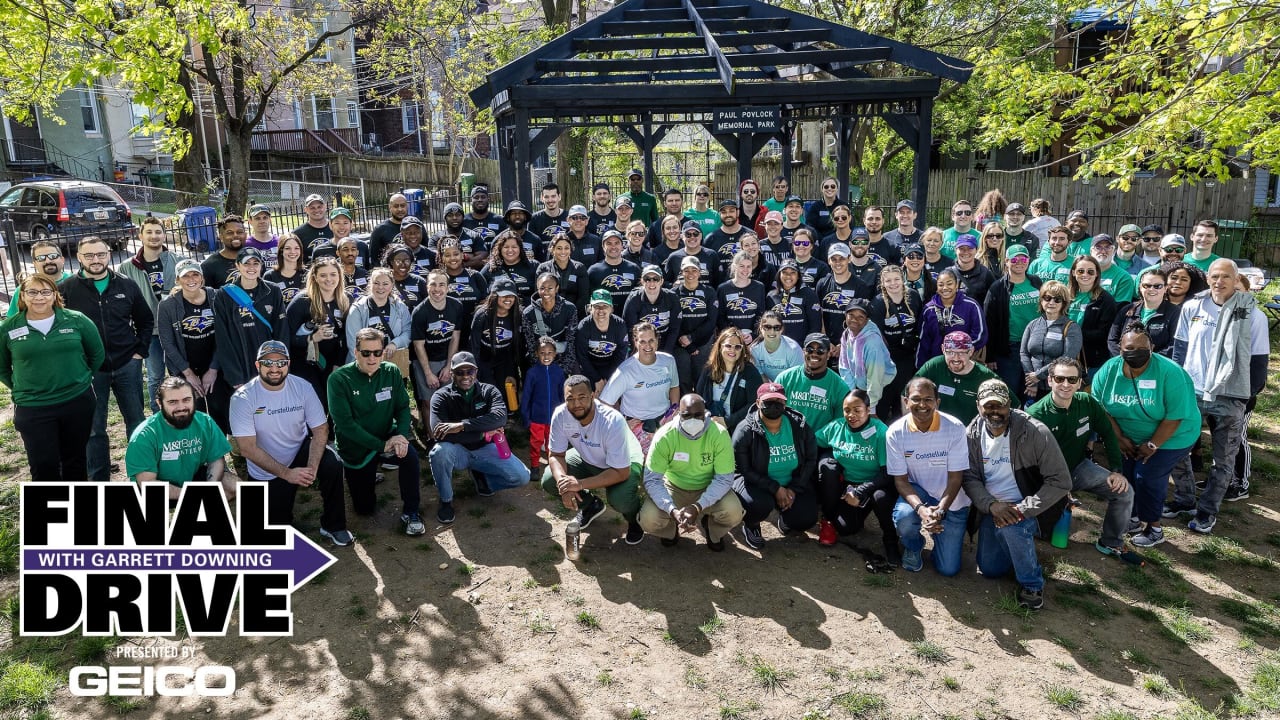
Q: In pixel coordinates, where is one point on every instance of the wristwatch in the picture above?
(1154, 447)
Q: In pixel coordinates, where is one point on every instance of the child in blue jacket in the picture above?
(543, 393)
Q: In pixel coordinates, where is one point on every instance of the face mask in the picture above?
(1136, 358)
(693, 427)
(772, 410)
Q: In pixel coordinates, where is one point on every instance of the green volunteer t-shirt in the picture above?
(1146, 314)
(1024, 305)
(1119, 283)
(1080, 247)
(860, 452)
(819, 401)
(708, 220)
(783, 459)
(1202, 264)
(1163, 391)
(949, 237)
(778, 205)
(173, 454)
(1046, 268)
(957, 394)
(1076, 311)
(690, 464)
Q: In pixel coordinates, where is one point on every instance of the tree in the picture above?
(249, 55)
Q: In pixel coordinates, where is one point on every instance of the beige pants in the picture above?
(401, 360)
(723, 515)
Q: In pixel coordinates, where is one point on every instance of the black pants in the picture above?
(847, 518)
(218, 404)
(281, 492)
(689, 364)
(802, 515)
(890, 406)
(361, 481)
(55, 437)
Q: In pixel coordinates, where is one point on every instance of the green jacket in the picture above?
(366, 410)
(44, 370)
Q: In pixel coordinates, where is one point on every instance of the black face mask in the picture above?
(1136, 358)
(772, 410)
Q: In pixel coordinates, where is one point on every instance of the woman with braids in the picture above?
(1152, 404)
(729, 381)
(316, 323)
(496, 339)
(795, 303)
(898, 313)
(290, 272)
(467, 286)
(1153, 310)
(410, 286)
(1094, 309)
(571, 275)
(507, 258)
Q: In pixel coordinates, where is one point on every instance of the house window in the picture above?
(409, 122)
(325, 113)
(89, 112)
(298, 123)
(353, 114)
(323, 54)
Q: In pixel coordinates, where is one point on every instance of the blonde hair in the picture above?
(315, 295)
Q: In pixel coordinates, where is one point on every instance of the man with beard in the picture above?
(1078, 227)
(551, 215)
(469, 240)
(517, 219)
(1017, 482)
(1055, 264)
(282, 432)
(672, 204)
(814, 390)
(179, 444)
(152, 269)
(484, 224)
(312, 232)
(957, 376)
(864, 266)
(613, 273)
(724, 241)
(220, 267)
(708, 261)
(646, 205)
(749, 208)
(117, 308)
(386, 232)
(47, 259)
(873, 221)
(602, 216)
(906, 233)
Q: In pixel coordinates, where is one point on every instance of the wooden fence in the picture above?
(382, 176)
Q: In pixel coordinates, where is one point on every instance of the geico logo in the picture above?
(133, 681)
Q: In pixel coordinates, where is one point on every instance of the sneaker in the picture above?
(588, 511)
(1236, 492)
(1150, 537)
(671, 541)
(482, 486)
(713, 546)
(1174, 510)
(1030, 599)
(1120, 553)
(635, 533)
(752, 536)
(388, 467)
(893, 552)
(341, 538)
(379, 478)
(1135, 526)
(827, 535)
(413, 524)
(782, 525)
(911, 560)
(445, 514)
(1202, 523)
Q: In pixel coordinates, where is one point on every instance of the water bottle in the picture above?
(1062, 530)
(513, 397)
(499, 440)
(573, 541)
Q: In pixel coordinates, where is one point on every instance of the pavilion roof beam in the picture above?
(616, 78)
(719, 12)
(713, 48)
(718, 60)
(667, 27)
(779, 38)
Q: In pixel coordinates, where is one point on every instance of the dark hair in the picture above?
(301, 264)
(551, 186)
(869, 208)
(1208, 224)
(1070, 362)
(1198, 281)
(495, 250)
(642, 327)
(90, 240)
(673, 191)
(1097, 283)
(548, 275)
(173, 382)
(222, 224)
(574, 381)
(861, 395)
(151, 220)
(546, 341)
(923, 382)
(393, 249)
(1059, 229)
(370, 333)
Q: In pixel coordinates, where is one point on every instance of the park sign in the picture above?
(753, 119)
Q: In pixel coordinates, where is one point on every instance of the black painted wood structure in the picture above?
(648, 65)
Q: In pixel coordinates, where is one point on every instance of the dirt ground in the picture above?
(486, 619)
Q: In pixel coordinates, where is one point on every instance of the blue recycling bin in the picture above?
(200, 223)
(414, 196)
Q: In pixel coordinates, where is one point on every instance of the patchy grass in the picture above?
(1136, 657)
(1156, 685)
(588, 621)
(1222, 549)
(604, 679)
(950, 683)
(733, 711)
(1113, 714)
(1263, 692)
(1184, 626)
(713, 625)
(27, 686)
(860, 704)
(768, 676)
(540, 624)
(1065, 698)
(930, 651)
(693, 679)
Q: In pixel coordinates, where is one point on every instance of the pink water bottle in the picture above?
(499, 440)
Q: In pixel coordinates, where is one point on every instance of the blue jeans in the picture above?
(1150, 481)
(1012, 547)
(946, 544)
(126, 384)
(155, 372)
(502, 474)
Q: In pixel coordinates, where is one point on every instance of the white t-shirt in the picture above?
(1196, 328)
(997, 466)
(643, 389)
(606, 442)
(926, 457)
(771, 365)
(280, 419)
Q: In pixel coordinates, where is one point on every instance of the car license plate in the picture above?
(101, 214)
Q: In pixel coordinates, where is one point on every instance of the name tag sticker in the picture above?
(946, 390)
(937, 463)
(680, 457)
(168, 455)
(383, 395)
(868, 432)
(1082, 430)
(818, 392)
(19, 332)
(1146, 384)
(1055, 335)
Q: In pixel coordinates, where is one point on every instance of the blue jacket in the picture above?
(543, 392)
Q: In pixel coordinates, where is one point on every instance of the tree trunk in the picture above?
(189, 176)
(571, 154)
(239, 148)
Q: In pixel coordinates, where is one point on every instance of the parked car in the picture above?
(67, 210)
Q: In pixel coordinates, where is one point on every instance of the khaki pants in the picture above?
(401, 360)
(723, 515)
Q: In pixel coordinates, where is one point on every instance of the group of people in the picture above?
(766, 358)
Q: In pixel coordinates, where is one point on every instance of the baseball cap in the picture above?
(1016, 250)
(912, 248)
(1078, 214)
(341, 211)
(611, 233)
(793, 199)
(1153, 229)
(968, 241)
(624, 200)
(861, 233)
(651, 270)
(838, 249)
(503, 286)
(770, 391)
(957, 340)
(601, 297)
(909, 204)
(789, 264)
(600, 186)
(1015, 207)
(412, 220)
(259, 208)
(1173, 240)
(773, 216)
(450, 208)
(1101, 239)
(272, 347)
(185, 266)
(1130, 228)
(993, 389)
(479, 190)
(859, 304)
(248, 254)
(728, 202)
(313, 197)
(635, 172)
(463, 359)
(690, 261)
(691, 225)
(577, 210)
(817, 339)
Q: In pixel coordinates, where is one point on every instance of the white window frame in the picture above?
(410, 117)
(332, 112)
(322, 27)
(353, 114)
(86, 93)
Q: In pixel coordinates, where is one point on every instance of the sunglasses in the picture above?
(273, 363)
(856, 243)
(1083, 271)
(800, 243)
(963, 213)
(651, 278)
(464, 371)
(47, 256)
(770, 327)
(731, 346)
(1052, 299)
(370, 353)
(828, 187)
(1068, 379)
(692, 233)
(915, 256)
(1175, 249)
(1151, 239)
(1148, 286)
(996, 236)
(815, 351)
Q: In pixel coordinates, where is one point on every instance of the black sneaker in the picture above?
(752, 536)
(716, 546)
(635, 533)
(892, 552)
(482, 485)
(1236, 492)
(588, 511)
(445, 514)
(1030, 599)
(1173, 510)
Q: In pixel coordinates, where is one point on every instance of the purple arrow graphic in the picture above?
(306, 559)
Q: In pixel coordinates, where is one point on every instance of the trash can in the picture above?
(161, 178)
(200, 224)
(467, 181)
(1230, 238)
(414, 196)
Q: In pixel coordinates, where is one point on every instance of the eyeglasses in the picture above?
(828, 187)
(47, 256)
(371, 353)
(915, 256)
(273, 363)
(815, 351)
(39, 293)
(1175, 249)
(1052, 299)
(731, 346)
(96, 256)
(839, 218)
(1019, 260)
(1150, 286)
(1068, 379)
(996, 236)
(856, 243)
(1129, 237)
(963, 213)
(749, 192)
(651, 278)
(692, 233)
(800, 243)
(464, 371)
(703, 194)
(770, 327)
(1086, 271)
(635, 233)
(1151, 239)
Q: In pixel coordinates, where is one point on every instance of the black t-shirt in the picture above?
(413, 289)
(488, 226)
(707, 259)
(934, 268)
(812, 271)
(699, 312)
(601, 352)
(775, 254)
(380, 238)
(380, 317)
(597, 224)
(435, 327)
(289, 287)
(310, 234)
(196, 330)
(469, 288)
(725, 243)
(618, 279)
(219, 271)
(541, 221)
(833, 298)
(740, 307)
(357, 283)
(976, 281)
(155, 277)
(867, 277)
(798, 310)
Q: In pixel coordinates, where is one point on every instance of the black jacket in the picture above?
(121, 314)
(1162, 326)
(742, 395)
(1099, 315)
(997, 309)
(485, 411)
(239, 332)
(899, 324)
(751, 454)
(561, 325)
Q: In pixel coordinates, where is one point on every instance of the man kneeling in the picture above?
(178, 445)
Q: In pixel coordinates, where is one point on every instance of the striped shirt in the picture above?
(926, 456)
